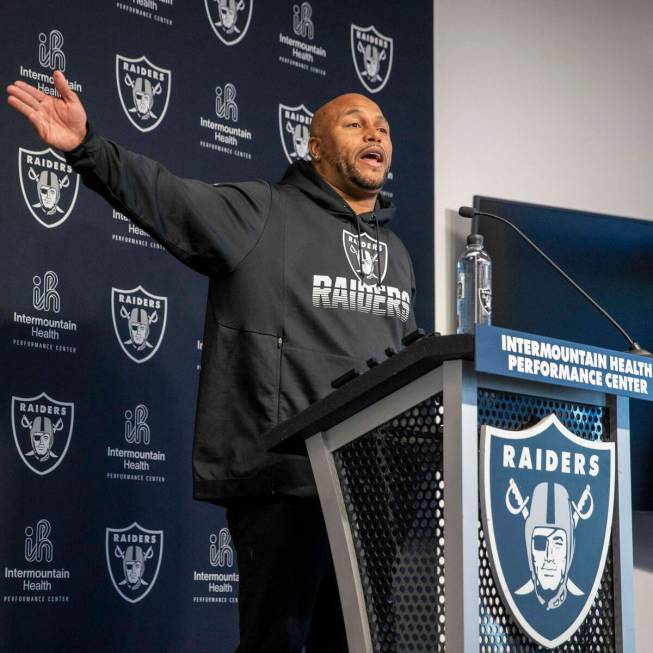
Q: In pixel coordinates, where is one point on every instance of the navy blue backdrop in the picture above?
(102, 547)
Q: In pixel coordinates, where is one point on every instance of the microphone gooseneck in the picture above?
(634, 347)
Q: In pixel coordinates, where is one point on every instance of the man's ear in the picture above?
(314, 148)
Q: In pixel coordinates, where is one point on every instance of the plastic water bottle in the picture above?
(474, 286)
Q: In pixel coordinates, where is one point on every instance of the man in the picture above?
(305, 282)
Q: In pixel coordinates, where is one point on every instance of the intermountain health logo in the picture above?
(294, 130)
(49, 185)
(144, 91)
(43, 428)
(229, 19)
(38, 580)
(139, 321)
(219, 582)
(547, 501)
(134, 557)
(372, 54)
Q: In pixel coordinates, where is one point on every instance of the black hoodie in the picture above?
(300, 290)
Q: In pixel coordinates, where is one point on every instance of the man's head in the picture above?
(133, 564)
(143, 95)
(350, 145)
(139, 325)
(229, 11)
(549, 535)
(42, 436)
(48, 187)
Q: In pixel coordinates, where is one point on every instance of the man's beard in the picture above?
(350, 173)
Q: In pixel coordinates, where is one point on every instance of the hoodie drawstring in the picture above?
(360, 250)
(378, 251)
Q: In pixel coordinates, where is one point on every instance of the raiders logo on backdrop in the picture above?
(294, 129)
(49, 185)
(368, 263)
(134, 557)
(372, 53)
(139, 321)
(42, 429)
(144, 91)
(229, 19)
(546, 501)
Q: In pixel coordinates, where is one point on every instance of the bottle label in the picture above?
(461, 286)
(485, 299)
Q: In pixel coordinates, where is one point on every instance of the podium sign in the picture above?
(547, 498)
(560, 362)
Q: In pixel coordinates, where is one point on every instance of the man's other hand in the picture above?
(60, 122)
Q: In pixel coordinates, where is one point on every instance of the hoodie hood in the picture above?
(302, 176)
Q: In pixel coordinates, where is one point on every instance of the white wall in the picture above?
(550, 102)
(544, 101)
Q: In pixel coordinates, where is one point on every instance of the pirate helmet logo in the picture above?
(139, 321)
(367, 258)
(144, 91)
(49, 185)
(229, 19)
(372, 54)
(294, 129)
(134, 557)
(42, 429)
(547, 500)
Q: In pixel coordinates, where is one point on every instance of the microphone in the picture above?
(634, 347)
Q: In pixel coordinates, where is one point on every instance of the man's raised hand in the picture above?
(60, 122)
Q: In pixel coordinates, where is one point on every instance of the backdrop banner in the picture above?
(103, 547)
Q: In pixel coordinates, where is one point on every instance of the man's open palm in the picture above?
(60, 122)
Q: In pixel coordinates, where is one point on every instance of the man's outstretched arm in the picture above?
(211, 229)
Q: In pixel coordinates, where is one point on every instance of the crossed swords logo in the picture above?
(367, 264)
(516, 504)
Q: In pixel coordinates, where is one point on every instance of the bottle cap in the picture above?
(475, 239)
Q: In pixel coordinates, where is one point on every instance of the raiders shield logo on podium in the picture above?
(546, 500)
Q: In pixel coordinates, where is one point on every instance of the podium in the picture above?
(396, 454)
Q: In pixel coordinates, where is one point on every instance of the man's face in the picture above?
(371, 58)
(143, 102)
(354, 146)
(48, 196)
(549, 551)
(227, 12)
(133, 571)
(300, 141)
(139, 332)
(41, 441)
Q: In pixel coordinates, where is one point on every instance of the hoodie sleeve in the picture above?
(210, 228)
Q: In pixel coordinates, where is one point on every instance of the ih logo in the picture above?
(225, 102)
(137, 430)
(43, 428)
(38, 545)
(139, 320)
(45, 296)
(229, 18)
(134, 558)
(221, 553)
(294, 129)
(50, 53)
(547, 499)
(372, 53)
(144, 91)
(49, 185)
(368, 262)
(302, 23)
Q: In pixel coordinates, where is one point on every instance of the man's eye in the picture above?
(354, 124)
(383, 130)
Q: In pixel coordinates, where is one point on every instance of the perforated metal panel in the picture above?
(498, 632)
(391, 479)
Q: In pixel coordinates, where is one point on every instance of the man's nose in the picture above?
(372, 134)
